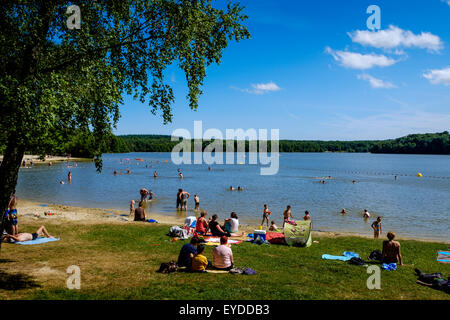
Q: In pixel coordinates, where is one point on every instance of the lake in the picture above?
(410, 206)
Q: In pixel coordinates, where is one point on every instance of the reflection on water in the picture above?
(410, 206)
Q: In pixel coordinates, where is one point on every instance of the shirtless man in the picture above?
(307, 216)
(25, 236)
(266, 214)
(288, 213)
(197, 201)
(366, 214)
(179, 199)
(155, 174)
(139, 213)
(184, 195)
(391, 250)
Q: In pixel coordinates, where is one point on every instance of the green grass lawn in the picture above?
(120, 262)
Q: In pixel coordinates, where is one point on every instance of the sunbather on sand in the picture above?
(25, 236)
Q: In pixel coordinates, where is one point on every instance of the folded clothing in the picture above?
(389, 266)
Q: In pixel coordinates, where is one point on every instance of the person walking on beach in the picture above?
(391, 252)
(376, 226)
(139, 213)
(266, 214)
(184, 196)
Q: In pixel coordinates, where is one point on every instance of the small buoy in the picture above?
(419, 175)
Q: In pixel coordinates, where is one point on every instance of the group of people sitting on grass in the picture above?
(192, 256)
(229, 228)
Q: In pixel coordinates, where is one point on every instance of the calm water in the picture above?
(410, 206)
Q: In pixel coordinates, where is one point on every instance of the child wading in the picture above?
(376, 226)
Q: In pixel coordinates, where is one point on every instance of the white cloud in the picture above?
(376, 83)
(438, 76)
(260, 88)
(360, 61)
(396, 37)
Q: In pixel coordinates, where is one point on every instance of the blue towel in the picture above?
(37, 241)
(152, 221)
(347, 255)
(389, 267)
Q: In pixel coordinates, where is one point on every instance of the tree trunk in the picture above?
(9, 172)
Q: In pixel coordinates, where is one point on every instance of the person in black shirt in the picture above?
(215, 228)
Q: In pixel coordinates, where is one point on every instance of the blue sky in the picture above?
(313, 70)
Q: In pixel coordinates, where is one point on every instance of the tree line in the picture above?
(81, 144)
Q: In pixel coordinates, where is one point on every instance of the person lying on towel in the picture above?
(25, 236)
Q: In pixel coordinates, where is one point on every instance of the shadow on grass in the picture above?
(6, 260)
(16, 281)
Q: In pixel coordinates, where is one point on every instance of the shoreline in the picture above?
(30, 210)
(49, 158)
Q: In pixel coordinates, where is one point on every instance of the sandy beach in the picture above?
(37, 159)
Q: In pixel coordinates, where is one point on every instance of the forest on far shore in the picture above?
(81, 144)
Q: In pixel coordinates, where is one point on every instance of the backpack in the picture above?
(168, 267)
(375, 255)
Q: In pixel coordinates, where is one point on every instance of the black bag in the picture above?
(357, 261)
(168, 267)
(375, 255)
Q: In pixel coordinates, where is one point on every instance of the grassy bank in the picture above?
(118, 261)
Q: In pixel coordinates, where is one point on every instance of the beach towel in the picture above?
(216, 241)
(37, 241)
(275, 237)
(346, 256)
(443, 257)
(152, 221)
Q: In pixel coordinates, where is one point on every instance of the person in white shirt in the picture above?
(223, 256)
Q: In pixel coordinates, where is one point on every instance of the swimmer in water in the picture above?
(366, 214)
(197, 201)
(306, 217)
(376, 226)
(231, 188)
(343, 211)
(155, 174)
(69, 176)
(151, 194)
(180, 175)
(240, 189)
(115, 172)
